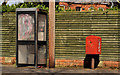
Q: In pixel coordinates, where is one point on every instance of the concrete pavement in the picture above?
(12, 70)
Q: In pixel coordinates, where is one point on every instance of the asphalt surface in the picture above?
(12, 70)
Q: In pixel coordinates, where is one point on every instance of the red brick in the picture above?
(64, 62)
(86, 6)
(111, 64)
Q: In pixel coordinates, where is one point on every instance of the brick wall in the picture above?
(86, 6)
(65, 4)
(66, 63)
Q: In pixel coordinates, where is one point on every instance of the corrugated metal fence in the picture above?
(71, 30)
(73, 27)
(8, 33)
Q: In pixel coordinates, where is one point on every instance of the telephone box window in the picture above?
(26, 26)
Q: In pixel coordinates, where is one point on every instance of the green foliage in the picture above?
(69, 9)
(101, 9)
(7, 8)
(73, 10)
(4, 8)
(114, 8)
(11, 8)
(42, 7)
(57, 8)
(91, 8)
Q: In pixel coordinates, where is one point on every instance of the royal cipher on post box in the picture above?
(93, 44)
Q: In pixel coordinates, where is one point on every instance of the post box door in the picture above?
(91, 46)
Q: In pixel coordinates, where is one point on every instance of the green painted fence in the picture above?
(73, 27)
(71, 30)
(8, 34)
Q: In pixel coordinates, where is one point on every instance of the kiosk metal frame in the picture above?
(35, 42)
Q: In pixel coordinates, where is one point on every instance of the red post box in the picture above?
(93, 44)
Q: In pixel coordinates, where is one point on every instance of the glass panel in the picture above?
(42, 54)
(26, 54)
(25, 26)
(41, 27)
